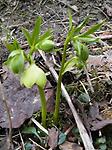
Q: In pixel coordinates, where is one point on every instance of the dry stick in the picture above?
(83, 133)
(8, 114)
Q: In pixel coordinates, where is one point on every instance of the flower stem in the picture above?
(58, 90)
(43, 105)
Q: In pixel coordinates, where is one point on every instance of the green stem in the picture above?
(58, 90)
(43, 105)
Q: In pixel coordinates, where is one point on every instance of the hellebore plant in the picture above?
(31, 74)
(79, 41)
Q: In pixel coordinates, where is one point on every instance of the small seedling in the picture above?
(31, 74)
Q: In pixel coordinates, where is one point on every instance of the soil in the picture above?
(16, 14)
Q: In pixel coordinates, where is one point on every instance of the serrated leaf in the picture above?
(62, 138)
(83, 97)
(80, 26)
(93, 29)
(38, 77)
(36, 31)
(27, 36)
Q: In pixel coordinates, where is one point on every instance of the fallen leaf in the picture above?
(22, 102)
(53, 138)
(70, 146)
(97, 125)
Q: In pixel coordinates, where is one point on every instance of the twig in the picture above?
(89, 80)
(8, 114)
(22, 140)
(83, 133)
(39, 126)
(36, 144)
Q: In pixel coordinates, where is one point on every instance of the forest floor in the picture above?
(95, 114)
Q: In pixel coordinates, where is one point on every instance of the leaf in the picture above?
(30, 130)
(93, 29)
(28, 146)
(47, 35)
(69, 36)
(36, 31)
(83, 97)
(62, 138)
(70, 64)
(70, 19)
(9, 46)
(88, 39)
(27, 36)
(53, 138)
(38, 77)
(13, 53)
(16, 44)
(80, 26)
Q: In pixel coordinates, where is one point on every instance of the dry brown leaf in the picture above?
(70, 146)
(22, 102)
(97, 125)
(53, 138)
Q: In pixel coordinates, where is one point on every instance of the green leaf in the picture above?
(70, 64)
(83, 97)
(70, 19)
(45, 45)
(30, 130)
(12, 47)
(38, 77)
(27, 36)
(93, 29)
(16, 44)
(62, 138)
(9, 46)
(88, 39)
(36, 31)
(69, 36)
(47, 35)
(28, 146)
(102, 147)
(80, 26)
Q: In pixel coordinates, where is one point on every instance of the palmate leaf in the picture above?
(33, 75)
(36, 31)
(93, 29)
(27, 36)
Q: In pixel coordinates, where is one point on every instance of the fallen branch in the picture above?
(83, 133)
